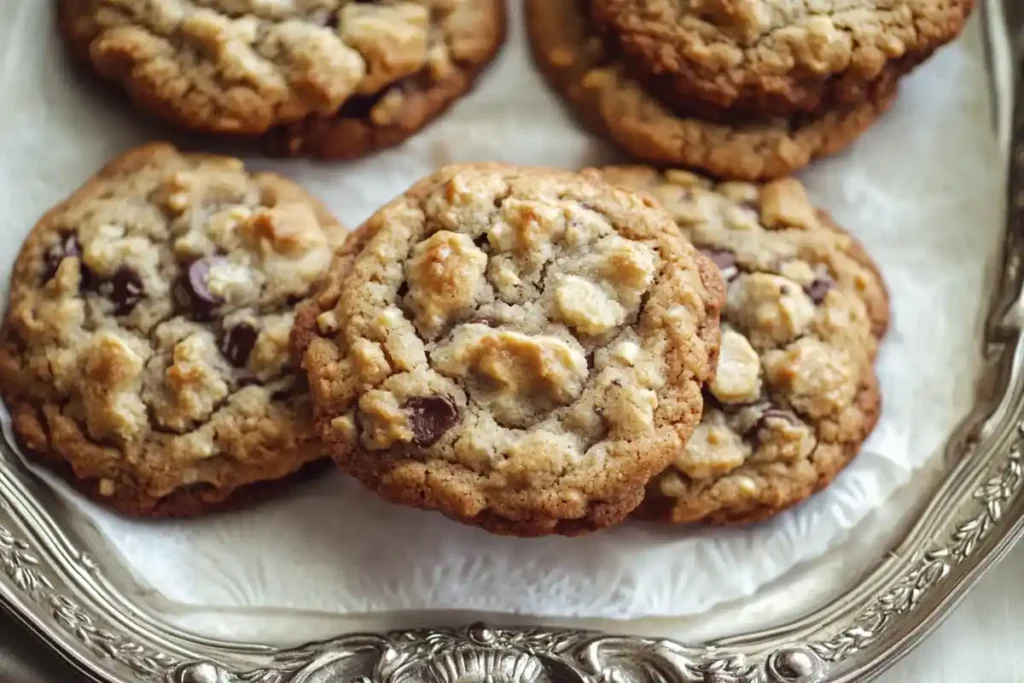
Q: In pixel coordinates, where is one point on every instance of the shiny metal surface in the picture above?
(59, 579)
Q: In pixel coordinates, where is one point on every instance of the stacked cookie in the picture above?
(526, 350)
(534, 352)
(743, 89)
(334, 79)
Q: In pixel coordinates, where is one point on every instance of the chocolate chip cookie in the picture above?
(520, 349)
(776, 57)
(145, 348)
(366, 75)
(795, 394)
(589, 72)
(464, 38)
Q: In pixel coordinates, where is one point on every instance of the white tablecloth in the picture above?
(982, 642)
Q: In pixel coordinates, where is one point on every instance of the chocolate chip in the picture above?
(818, 289)
(361, 106)
(192, 291)
(430, 417)
(67, 247)
(126, 290)
(237, 343)
(725, 260)
(248, 381)
(758, 416)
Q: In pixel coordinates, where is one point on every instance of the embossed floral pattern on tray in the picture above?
(481, 654)
(49, 582)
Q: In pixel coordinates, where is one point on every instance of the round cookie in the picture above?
(247, 66)
(795, 393)
(771, 57)
(145, 351)
(473, 32)
(592, 77)
(520, 349)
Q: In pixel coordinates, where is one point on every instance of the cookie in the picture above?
(520, 349)
(592, 77)
(462, 45)
(145, 350)
(770, 57)
(795, 393)
(378, 71)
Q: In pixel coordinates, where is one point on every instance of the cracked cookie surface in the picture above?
(593, 78)
(248, 66)
(145, 350)
(795, 393)
(775, 57)
(520, 349)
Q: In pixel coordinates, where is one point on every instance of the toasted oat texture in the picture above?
(795, 394)
(521, 349)
(246, 66)
(145, 350)
(775, 56)
(466, 39)
(591, 76)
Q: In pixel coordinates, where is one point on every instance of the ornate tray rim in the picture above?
(56, 590)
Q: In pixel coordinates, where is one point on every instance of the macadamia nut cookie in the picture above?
(795, 394)
(349, 76)
(520, 349)
(775, 57)
(587, 68)
(145, 352)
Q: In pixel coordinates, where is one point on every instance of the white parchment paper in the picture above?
(922, 190)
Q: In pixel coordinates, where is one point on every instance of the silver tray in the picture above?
(59, 578)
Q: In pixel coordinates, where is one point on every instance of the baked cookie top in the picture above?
(146, 340)
(521, 349)
(775, 57)
(244, 66)
(474, 31)
(591, 74)
(795, 394)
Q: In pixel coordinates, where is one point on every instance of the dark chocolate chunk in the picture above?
(248, 381)
(819, 288)
(126, 290)
(725, 260)
(430, 417)
(237, 343)
(192, 290)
